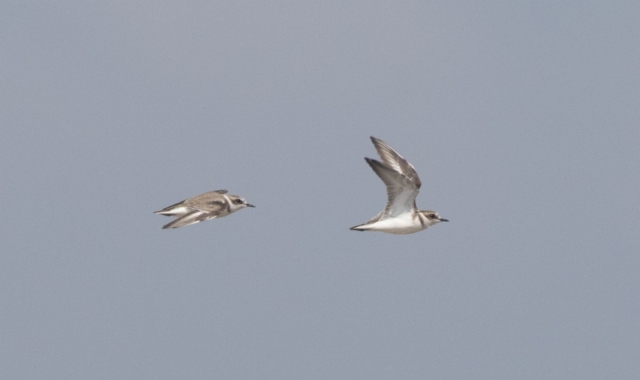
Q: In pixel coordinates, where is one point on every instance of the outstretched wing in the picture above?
(396, 162)
(401, 191)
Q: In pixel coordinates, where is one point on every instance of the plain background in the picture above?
(522, 119)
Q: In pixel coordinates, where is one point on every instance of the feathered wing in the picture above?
(217, 192)
(189, 219)
(208, 202)
(396, 162)
(401, 191)
(168, 210)
(205, 198)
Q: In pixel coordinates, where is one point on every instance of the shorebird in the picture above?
(400, 216)
(210, 205)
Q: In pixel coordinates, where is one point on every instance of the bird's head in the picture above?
(238, 202)
(433, 216)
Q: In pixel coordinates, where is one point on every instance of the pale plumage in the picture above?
(400, 216)
(210, 205)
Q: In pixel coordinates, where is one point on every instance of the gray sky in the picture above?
(521, 118)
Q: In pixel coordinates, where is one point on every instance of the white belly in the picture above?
(401, 225)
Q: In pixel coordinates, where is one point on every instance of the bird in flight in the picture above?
(400, 216)
(210, 205)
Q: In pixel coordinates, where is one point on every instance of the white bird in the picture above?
(210, 205)
(401, 216)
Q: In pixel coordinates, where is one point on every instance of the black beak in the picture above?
(444, 220)
(250, 205)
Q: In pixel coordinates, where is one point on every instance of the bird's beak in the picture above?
(250, 205)
(444, 220)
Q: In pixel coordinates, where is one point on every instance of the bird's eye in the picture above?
(432, 216)
(238, 201)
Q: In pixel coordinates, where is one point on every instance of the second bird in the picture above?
(210, 205)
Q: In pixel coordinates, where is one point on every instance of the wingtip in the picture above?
(373, 163)
(171, 225)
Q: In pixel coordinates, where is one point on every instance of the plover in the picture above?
(210, 205)
(401, 216)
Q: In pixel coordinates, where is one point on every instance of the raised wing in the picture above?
(396, 162)
(401, 191)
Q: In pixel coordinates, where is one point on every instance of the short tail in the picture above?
(359, 228)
